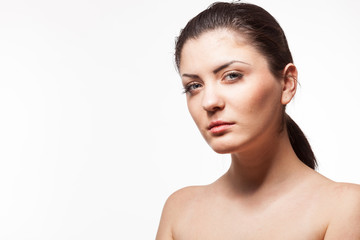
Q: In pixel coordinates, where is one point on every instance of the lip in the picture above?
(219, 126)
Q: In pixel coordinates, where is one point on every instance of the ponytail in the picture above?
(300, 144)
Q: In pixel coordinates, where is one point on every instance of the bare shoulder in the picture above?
(338, 196)
(345, 217)
(344, 194)
(348, 190)
(335, 190)
(176, 207)
(186, 195)
(184, 199)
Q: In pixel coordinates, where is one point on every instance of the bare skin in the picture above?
(267, 193)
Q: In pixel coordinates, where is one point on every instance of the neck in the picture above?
(265, 168)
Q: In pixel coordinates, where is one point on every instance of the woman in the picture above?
(238, 75)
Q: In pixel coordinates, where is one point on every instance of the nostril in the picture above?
(212, 109)
(213, 103)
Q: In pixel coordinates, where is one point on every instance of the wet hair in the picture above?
(264, 33)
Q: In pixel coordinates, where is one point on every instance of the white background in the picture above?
(94, 130)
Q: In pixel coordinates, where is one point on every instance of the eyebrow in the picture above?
(190, 75)
(217, 69)
(228, 64)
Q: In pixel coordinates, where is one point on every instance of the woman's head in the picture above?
(240, 45)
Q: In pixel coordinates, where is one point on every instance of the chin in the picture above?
(221, 151)
(223, 148)
(228, 145)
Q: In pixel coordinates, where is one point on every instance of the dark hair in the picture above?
(265, 34)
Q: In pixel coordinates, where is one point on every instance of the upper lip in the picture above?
(218, 123)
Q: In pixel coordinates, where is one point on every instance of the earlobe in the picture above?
(289, 83)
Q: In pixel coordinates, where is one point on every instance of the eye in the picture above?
(233, 76)
(191, 87)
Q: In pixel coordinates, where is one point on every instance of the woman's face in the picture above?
(231, 94)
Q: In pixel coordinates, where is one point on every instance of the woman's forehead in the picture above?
(216, 47)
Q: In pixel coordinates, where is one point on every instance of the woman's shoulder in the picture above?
(335, 194)
(341, 202)
(338, 190)
(345, 196)
(346, 190)
(177, 207)
(187, 196)
(345, 221)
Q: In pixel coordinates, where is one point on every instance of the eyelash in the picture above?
(187, 88)
(236, 76)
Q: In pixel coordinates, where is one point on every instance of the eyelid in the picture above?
(189, 85)
(235, 72)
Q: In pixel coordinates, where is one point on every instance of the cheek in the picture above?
(198, 114)
(194, 110)
(262, 99)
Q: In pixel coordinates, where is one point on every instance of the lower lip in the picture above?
(220, 128)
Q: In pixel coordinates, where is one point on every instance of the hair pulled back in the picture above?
(265, 34)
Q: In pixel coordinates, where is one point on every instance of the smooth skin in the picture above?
(267, 193)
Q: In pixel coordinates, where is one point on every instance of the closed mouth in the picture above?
(219, 125)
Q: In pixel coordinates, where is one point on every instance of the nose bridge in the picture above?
(211, 99)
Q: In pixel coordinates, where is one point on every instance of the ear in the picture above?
(289, 83)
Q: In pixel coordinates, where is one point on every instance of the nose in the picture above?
(212, 100)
